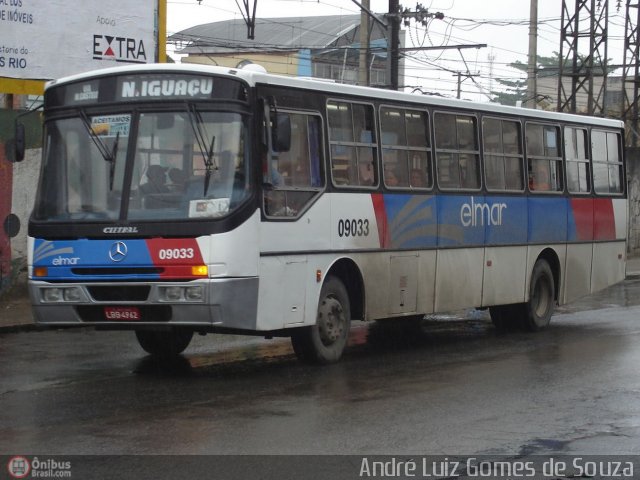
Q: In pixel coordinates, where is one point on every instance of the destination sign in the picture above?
(140, 87)
(164, 86)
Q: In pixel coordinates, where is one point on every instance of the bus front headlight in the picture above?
(52, 295)
(194, 294)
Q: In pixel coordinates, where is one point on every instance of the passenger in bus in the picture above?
(276, 204)
(468, 171)
(177, 179)
(276, 178)
(417, 178)
(156, 180)
(540, 180)
(390, 178)
(366, 173)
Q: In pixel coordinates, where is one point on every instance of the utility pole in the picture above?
(395, 15)
(631, 72)
(394, 40)
(8, 101)
(532, 87)
(492, 58)
(363, 69)
(460, 76)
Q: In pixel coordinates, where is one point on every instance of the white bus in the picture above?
(176, 199)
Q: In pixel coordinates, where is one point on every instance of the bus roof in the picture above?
(253, 78)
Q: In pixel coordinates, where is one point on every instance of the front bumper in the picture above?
(226, 303)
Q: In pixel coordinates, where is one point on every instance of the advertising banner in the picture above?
(47, 40)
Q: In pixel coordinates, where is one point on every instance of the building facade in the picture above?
(325, 47)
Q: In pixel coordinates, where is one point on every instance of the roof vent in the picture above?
(254, 67)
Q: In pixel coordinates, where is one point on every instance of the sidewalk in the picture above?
(15, 312)
(633, 267)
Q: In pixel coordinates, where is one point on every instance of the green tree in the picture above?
(516, 90)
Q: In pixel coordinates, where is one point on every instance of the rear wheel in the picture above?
(325, 341)
(165, 343)
(538, 310)
(536, 313)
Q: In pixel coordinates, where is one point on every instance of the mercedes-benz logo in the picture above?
(118, 251)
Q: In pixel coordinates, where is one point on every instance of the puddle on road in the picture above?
(238, 352)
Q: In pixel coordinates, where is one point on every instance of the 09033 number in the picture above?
(353, 227)
(175, 253)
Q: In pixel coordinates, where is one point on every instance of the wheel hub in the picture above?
(331, 320)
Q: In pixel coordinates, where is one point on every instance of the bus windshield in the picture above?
(184, 164)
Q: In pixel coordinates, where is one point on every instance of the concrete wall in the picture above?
(16, 199)
(17, 194)
(25, 179)
(633, 182)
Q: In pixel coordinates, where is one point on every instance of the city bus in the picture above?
(182, 199)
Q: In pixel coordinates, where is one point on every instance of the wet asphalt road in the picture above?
(461, 389)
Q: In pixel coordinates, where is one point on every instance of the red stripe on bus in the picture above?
(175, 255)
(381, 219)
(583, 216)
(604, 220)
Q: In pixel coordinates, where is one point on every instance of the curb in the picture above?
(25, 327)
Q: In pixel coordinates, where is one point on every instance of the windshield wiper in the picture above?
(109, 156)
(112, 167)
(206, 149)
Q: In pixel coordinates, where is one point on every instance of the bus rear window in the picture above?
(607, 162)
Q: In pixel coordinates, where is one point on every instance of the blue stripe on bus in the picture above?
(61, 256)
(417, 221)
(548, 220)
(413, 221)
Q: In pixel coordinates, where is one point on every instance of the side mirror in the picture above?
(19, 147)
(281, 133)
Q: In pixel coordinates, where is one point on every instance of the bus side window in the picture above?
(406, 150)
(353, 143)
(544, 160)
(300, 169)
(502, 154)
(457, 152)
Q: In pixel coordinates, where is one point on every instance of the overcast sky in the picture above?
(501, 24)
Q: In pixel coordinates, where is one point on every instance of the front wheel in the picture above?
(164, 344)
(325, 341)
(538, 310)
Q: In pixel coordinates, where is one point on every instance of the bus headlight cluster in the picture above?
(176, 293)
(61, 294)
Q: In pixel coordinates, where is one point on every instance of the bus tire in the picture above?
(325, 341)
(164, 344)
(536, 313)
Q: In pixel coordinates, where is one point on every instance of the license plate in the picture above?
(122, 313)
